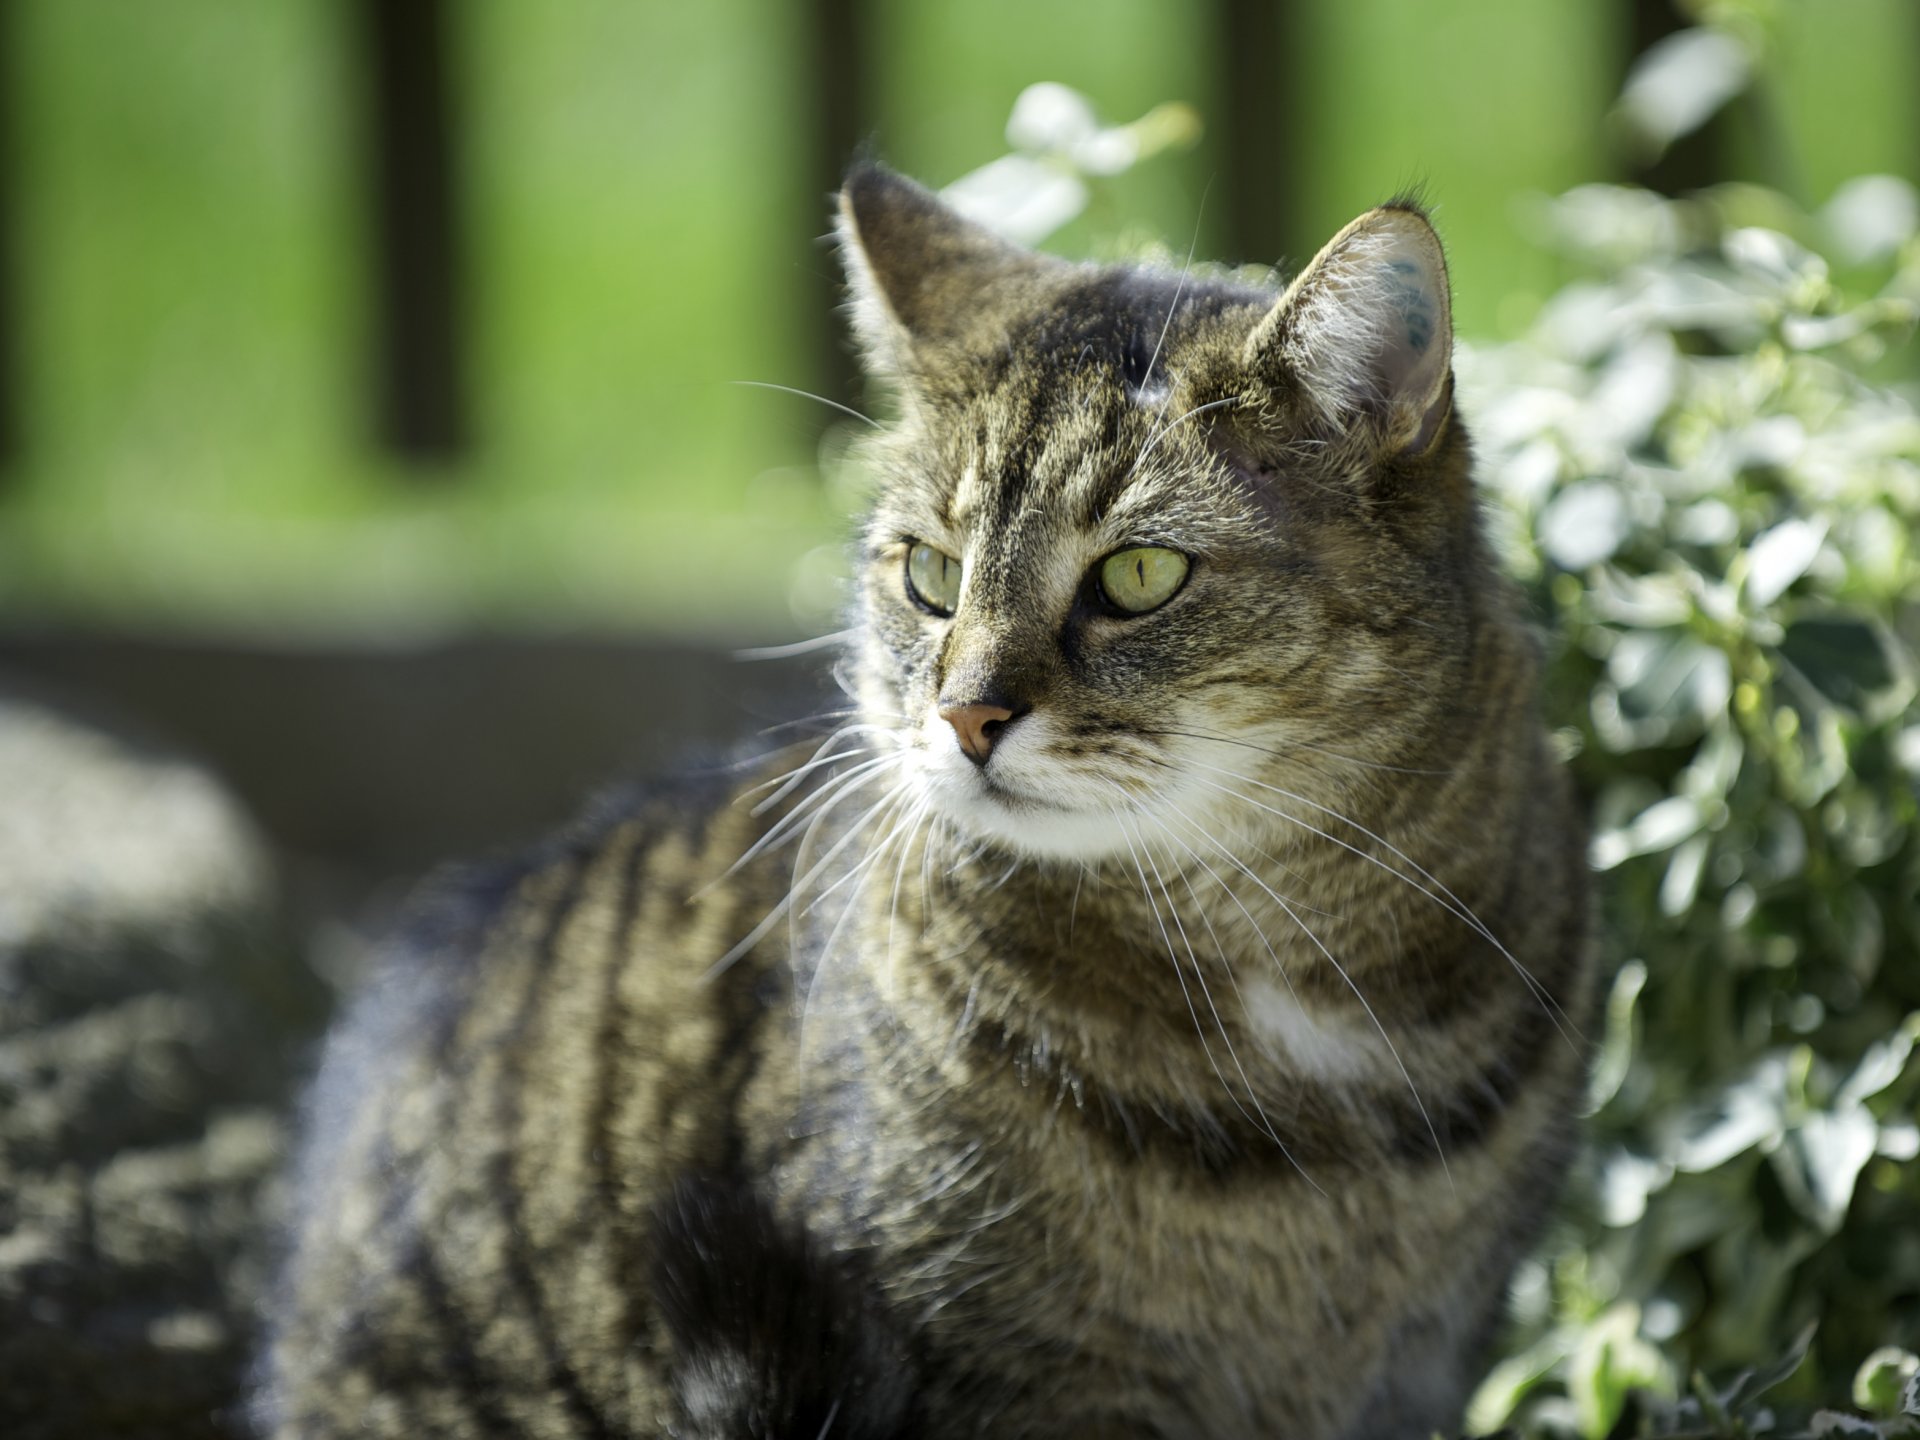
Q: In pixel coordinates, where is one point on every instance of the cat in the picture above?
(1169, 1019)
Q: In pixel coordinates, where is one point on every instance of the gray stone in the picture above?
(152, 1018)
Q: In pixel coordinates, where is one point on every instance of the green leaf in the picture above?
(1661, 826)
(1668, 684)
(1680, 886)
(1885, 1382)
(1584, 524)
(1747, 1113)
(1758, 1382)
(1612, 1360)
(1781, 556)
(1842, 656)
(1616, 1047)
(1821, 1159)
(1833, 1425)
(1884, 1062)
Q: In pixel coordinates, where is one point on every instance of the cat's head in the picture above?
(1145, 541)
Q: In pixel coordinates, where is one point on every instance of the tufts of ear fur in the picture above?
(1365, 333)
(921, 277)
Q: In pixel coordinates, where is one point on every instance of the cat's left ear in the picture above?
(1365, 333)
(922, 278)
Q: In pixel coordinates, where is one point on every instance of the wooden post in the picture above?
(418, 376)
(839, 121)
(1695, 160)
(1260, 129)
(10, 346)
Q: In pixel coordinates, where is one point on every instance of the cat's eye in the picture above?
(1142, 579)
(933, 579)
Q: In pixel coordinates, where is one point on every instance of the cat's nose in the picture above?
(978, 723)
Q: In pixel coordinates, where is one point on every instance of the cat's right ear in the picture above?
(922, 277)
(1365, 335)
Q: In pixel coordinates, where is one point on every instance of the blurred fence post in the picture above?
(838, 96)
(10, 347)
(1260, 128)
(412, 155)
(1692, 161)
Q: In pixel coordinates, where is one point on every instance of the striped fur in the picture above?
(1198, 1066)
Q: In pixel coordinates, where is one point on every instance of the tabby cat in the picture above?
(1156, 1013)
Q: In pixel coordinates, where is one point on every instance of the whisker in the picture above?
(1206, 991)
(786, 824)
(1441, 896)
(1163, 431)
(824, 754)
(785, 904)
(1341, 971)
(1249, 847)
(795, 647)
(1331, 754)
(867, 860)
(919, 815)
(756, 758)
(1232, 895)
(860, 873)
(1453, 902)
(809, 395)
(806, 720)
(1173, 308)
(1126, 833)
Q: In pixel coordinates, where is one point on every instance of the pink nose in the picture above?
(978, 725)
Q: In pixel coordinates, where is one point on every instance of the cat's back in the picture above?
(548, 1045)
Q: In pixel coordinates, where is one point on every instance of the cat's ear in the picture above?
(921, 276)
(1365, 333)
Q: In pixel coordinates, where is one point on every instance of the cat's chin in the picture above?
(1039, 829)
(1041, 832)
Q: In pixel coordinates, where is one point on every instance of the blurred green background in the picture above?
(372, 427)
(638, 201)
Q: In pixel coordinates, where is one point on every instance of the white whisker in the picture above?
(1163, 431)
(859, 874)
(1173, 308)
(1232, 895)
(1341, 971)
(795, 647)
(828, 794)
(1292, 744)
(808, 395)
(785, 783)
(1126, 833)
(785, 904)
(1206, 992)
(1440, 894)
(918, 816)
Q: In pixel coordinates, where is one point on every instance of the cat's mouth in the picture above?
(1032, 815)
(999, 789)
(991, 786)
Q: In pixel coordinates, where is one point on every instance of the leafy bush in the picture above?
(1715, 512)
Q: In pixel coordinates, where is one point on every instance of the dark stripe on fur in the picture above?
(476, 1388)
(773, 1338)
(609, 1043)
(509, 1103)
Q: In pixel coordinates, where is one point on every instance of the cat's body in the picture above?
(1173, 1030)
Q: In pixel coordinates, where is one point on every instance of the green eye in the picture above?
(1142, 579)
(933, 578)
